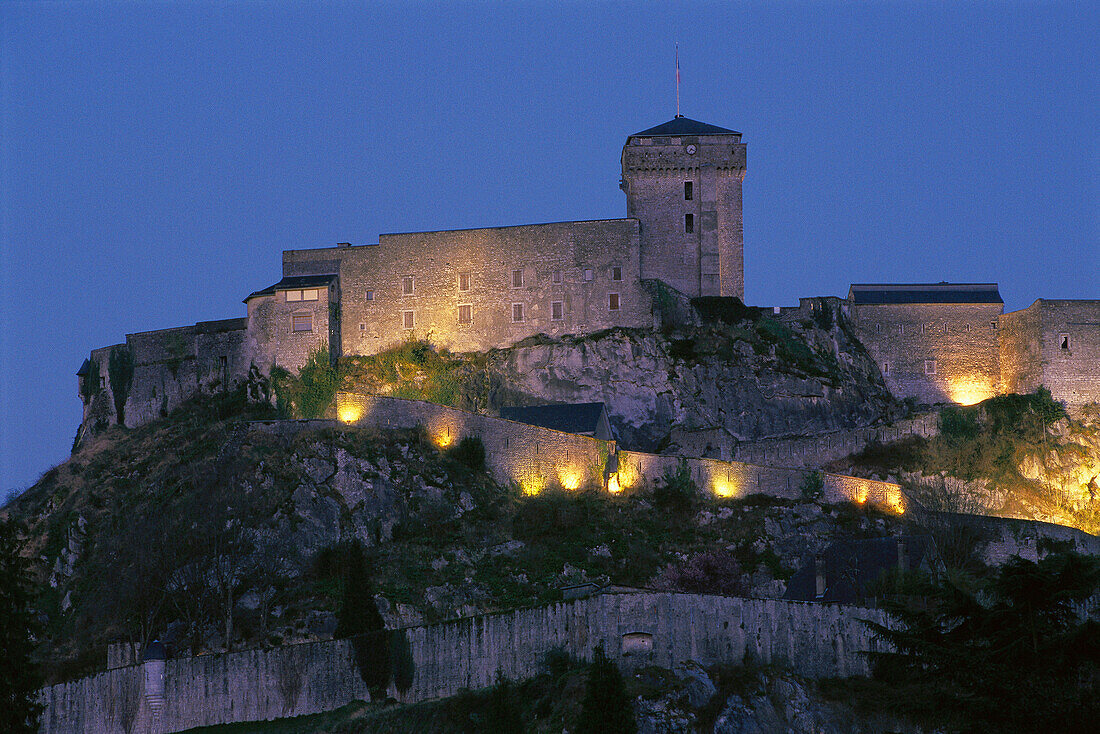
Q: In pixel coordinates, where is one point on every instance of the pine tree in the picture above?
(502, 715)
(19, 677)
(606, 708)
(359, 619)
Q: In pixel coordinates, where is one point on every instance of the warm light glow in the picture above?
(443, 440)
(531, 486)
(969, 390)
(895, 501)
(861, 495)
(613, 485)
(349, 412)
(724, 488)
(626, 478)
(570, 480)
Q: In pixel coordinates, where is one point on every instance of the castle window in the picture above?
(616, 273)
(1063, 342)
(362, 327)
(407, 285)
(992, 325)
(464, 281)
(408, 319)
(901, 328)
(612, 301)
(588, 276)
(517, 312)
(929, 366)
(966, 328)
(688, 193)
(885, 368)
(368, 296)
(517, 278)
(465, 314)
(689, 223)
(556, 276)
(306, 295)
(557, 311)
(301, 322)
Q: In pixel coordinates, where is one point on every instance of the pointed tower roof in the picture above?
(681, 125)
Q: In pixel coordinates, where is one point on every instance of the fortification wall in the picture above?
(1021, 369)
(815, 640)
(537, 458)
(1070, 350)
(509, 277)
(807, 452)
(936, 353)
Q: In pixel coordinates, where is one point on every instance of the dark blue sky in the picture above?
(155, 158)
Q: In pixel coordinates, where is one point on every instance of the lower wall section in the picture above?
(636, 629)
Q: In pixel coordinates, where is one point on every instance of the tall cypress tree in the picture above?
(359, 619)
(606, 708)
(19, 677)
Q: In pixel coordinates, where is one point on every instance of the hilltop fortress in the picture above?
(473, 290)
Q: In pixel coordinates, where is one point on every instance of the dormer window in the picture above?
(310, 294)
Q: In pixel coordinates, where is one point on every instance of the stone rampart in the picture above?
(636, 629)
(537, 458)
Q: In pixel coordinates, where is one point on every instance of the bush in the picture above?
(676, 490)
(711, 572)
(120, 373)
(502, 713)
(470, 452)
(812, 487)
(606, 708)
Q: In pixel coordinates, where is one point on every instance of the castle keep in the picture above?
(477, 289)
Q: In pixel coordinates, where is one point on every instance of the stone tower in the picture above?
(683, 184)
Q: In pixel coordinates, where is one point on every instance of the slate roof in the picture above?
(84, 368)
(572, 418)
(852, 566)
(294, 282)
(881, 293)
(683, 126)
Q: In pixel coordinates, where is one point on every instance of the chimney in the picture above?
(819, 574)
(343, 244)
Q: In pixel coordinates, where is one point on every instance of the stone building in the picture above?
(1056, 344)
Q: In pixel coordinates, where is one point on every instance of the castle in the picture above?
(476, 289)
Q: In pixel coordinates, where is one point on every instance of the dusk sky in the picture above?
(156, 158)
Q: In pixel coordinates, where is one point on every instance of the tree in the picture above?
(358, 618)
(19, 677)
(1013, 656)
(502, 714)
(120, 373)
(606, 708)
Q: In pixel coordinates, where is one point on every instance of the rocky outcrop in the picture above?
(738, 383)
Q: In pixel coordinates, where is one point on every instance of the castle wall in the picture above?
(936, 353)
(476, 268)
(1071, 370)
(1021, 367)
(709, 260)
(272, 338)
(815, 640)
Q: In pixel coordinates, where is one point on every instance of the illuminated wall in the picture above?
(1056, 344)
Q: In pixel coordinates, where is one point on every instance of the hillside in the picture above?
(215, 532)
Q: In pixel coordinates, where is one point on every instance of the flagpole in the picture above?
(677, 80)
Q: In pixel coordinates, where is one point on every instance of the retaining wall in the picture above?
(815, 640)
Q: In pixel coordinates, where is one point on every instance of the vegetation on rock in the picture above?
(19, 675)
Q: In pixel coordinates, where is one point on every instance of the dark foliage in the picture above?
(1011, 657)
(19, 677)
(728, 310)
(470, 452)
(711, 572)
(502, 710)
(606, 708)
(676, 490)
(404, 668)
(359, 619)
(812, 486)
(120, 373)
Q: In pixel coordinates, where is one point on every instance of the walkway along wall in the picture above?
(636, 629)
(536, 458)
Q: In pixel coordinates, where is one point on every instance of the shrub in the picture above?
(676, 490)
(502, 713)
(470, 452)
(812, 486)
(120, 373)
(711, 572)
(606, 708)
(358, 618)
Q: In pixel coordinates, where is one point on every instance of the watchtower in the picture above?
(683, 184)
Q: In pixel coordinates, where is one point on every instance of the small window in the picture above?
(612, 301)
(407, 285)
(408, 319)
(464, 281)
(310, 295)
(293, 296)
(992, 325)
(689, 192)
(587, 276)
(517, 312)
(966, 328)
(368, 296)
(929, 366)
(517, 278)
(1063, 342)
(689, 223)
(557, 311)
(301, 322)
(616, 273)
(362, 327)
(901, 328)
(556, 276)
(885, 368)
(465, 314)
